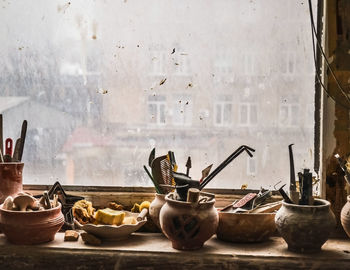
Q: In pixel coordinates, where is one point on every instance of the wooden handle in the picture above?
(193, 195)
(142, 214)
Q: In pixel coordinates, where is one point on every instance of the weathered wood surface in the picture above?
(154, 251)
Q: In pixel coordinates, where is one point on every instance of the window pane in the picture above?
(98, 82)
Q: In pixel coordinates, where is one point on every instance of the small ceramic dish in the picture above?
(112, 232)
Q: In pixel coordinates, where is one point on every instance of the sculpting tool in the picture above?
(294, 195)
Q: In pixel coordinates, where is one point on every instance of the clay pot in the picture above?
(154, 208)
(245, 228)
(345, 217)
(10, 179)
(305, 228)
(188, 225)
(31, 227)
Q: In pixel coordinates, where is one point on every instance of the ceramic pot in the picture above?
(305, 228)
(10, 179)
(245, 228)
(188, 225)
(28, 228)
(345, 217)
(154, 208)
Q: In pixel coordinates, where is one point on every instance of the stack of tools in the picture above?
(304, 196)
(253, 203)
(166, 178)
(12, 154)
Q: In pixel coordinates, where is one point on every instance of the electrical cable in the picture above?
(314, 36)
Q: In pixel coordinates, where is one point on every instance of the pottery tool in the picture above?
(151, 157)
(284, 195)
(166, 171)
(205, 172)
(236, 153)
(343, 167)
(193, 195)
(8, 150)
(156, 171)
(293, 194)
(183, 183)
(15, 156)
(262, 196)
(188, 165)
(1, 137)
(305, 181)
(158, 190)
(23, 138)
(267, 208)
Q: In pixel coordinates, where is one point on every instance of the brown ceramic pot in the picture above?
(188, 225)
(345, 217)
(10, 179)
(154, 208)
(31, 227)
(245, 228)
(305, 228)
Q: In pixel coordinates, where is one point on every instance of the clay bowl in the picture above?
(28, 228)
(245, 228)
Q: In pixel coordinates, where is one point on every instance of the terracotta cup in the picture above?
(10, 179)
(154, 208)
(27, 228)
(345, 217)
(305, 228)
(188, 225)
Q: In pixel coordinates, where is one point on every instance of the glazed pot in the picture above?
(245, 227)
(154, 208)
(305, 228)
(27, 228)
(188, 225)
(345, 217)
(10, 179)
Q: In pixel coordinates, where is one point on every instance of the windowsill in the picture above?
(154, 251)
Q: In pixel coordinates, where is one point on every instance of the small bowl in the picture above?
(245, 228)
(28, 228)
(112, 232)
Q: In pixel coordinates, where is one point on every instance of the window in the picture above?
(100, 83)
(223, 111)
(248, 114)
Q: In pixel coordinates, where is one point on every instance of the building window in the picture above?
(223, 111)
(289, 115)
(182, 110)
(248, 114)
(156, 109)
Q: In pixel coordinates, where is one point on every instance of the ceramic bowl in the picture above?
(28, 228)
(245, 228)
(112, 232)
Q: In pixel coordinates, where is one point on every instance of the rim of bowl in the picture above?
(325, 203)
(30, 212)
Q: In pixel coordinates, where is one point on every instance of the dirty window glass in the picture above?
(103, 82)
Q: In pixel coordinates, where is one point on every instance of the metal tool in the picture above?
(305, 183)
(23, 138)
(205, 172)
(156, 170)
(293, 194)
(183, 183)
(151, 157)
(8, 150)
(284, 195)
(15, 156)
(188, 165)
(236, 153)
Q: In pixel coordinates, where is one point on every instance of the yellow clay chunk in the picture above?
(129, 220)
(109, 216)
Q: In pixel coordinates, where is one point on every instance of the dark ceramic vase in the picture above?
(305, 228)
(188, 225)
(154, 208)
(345, 217)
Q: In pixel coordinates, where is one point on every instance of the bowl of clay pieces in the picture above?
(25, 220)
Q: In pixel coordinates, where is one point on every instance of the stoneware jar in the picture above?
(188, 225)
(10, 179)
(154, 208)
(305, 228)
(345, 217)
(28, 228)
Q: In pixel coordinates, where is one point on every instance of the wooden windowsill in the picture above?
(154, 251)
